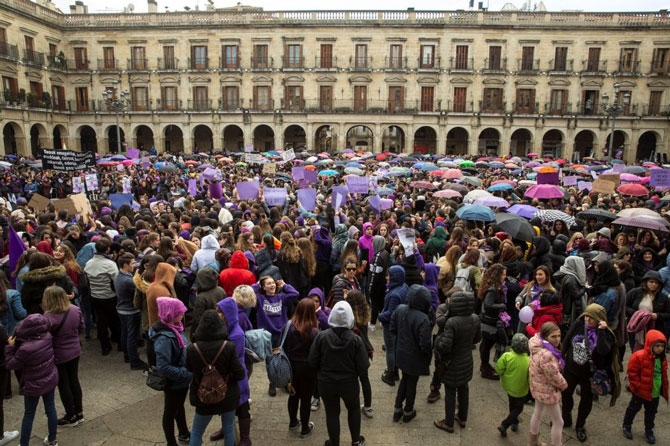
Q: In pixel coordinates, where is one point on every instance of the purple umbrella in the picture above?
(523, 210)
(544, 192)
(627, 177)
(644, 221)
(493, 202)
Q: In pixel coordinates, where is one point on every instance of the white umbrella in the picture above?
(475, 194)
(636, 212)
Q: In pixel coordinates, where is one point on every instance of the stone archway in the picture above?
(425, 140)
(113, 145)
(519, 144)
(173, 139)
(393, 139)
(59, 137)
(144, 137)
(203, 139)
(38, 139)
(13, 139)
(88, 139)
(457, 141)
(584, 145)
(552, 144)
(360, 137)
(264, 138)
(489, 142)
(324, 139)
(646, 147)
(617, 145)
(233, 139)
(294, 137)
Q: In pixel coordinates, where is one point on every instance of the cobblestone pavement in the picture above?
(121, 410)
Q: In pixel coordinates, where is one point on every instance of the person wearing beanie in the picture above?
(237, 274)
(512, 367)
(340, 358)
(592, 329)
(412, 324)
(167, 335)
(649, 297)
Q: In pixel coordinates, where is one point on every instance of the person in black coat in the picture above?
(648, 296)
(571, 278)
(557, 253)
(454, 349)
(644, 261)
(377, 277)
(492, 295)
(625, 270)
(42, 273)
(539, 254)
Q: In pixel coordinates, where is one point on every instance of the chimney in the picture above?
(152, 6)
(81, 8)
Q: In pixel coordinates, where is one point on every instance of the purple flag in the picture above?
(247, 190)
(192, 187)
(16, 248)
(307, 198)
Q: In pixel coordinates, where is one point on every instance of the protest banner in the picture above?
(297, 173)
(358, 185)
(269, 168)
(547, 178)
(248, 190)
(407, 239)
(660, 178)
(584, 185)
(375, 203)
(67, 160)
(275, 196)
(215, 190)
(77, 185)
(288, 155)
(307, 198)
(127, 186)
(192, 187)
(570, 180)
(603, 186)
(91, 182)
(119, 200)
(132, 153)
(339, 196)
(253, 158)
(311, 176)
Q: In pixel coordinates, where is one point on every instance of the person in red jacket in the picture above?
(647, 381)
(550, 309)
(237, 274)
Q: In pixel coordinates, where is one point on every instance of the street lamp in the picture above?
(614, 110)
(116, 104)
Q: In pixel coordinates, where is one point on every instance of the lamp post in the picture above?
(614, 110)
(116, 103)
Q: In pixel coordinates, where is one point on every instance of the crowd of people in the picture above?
(195, 274)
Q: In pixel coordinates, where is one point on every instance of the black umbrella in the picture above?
(169, 168)
(598, 214)
(517, 227)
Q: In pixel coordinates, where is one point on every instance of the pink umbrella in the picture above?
(127, 162)
(645, 180)
(629, 178)
(544, 191)
(512, 182)
(447, 193)
(532, 155)
(452, 174)
(636, 190)
(437, 173)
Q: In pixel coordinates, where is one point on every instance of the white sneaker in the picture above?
(50, 443)
(372, 327)
(315, 404)
(9, 436)
(367, 411)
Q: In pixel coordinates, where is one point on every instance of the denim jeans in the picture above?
(130, 334)
(200, 423)
(30, 403)
(389, 342)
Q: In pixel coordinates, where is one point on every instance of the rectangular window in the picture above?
(628, 60)
(30, 46)
(396, 99)
(495, 54)
(169, 61)
(527, 61)
(58, 97)
(294, 98)
(140, 98)
(53, 49)
(108, 56)
(36, 89)
(138, 59)
(427, 59)
(559, 101)
(461, 62)
(230, 56)
(460, 99)
(492, 100)
(659, 63)
(3, 35)
(427, 98)
(260, 57)
(199, 57)
(11, 85)
(81, 58)
(293, 56)
(200, 98)
(325, 98)
(593, 61)
(525, 100)
(231, 98)
(361, 56)
(262, 97)
(82, 98)
(169, 98)
(655, 102)
(561, 58)
(395, 59)
(360, 98)
(326, 60)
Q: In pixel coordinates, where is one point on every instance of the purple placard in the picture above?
(274, 196)
(192, 187)
(375, 203)
(547, 178)
(247, 190)
(581, 185)
(298, 173)
(312, 176)
(339, 196)
(660, 178)
(358, 185)
(570, 181)
(215, 190)
(386, 203)
(132, 153)
(307, 198)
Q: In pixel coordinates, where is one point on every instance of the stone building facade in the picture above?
(448, 82)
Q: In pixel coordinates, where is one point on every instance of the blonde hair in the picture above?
(308, 254)
(244, 296)
(55, 300)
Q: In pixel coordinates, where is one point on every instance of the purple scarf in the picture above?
(177, 329)
(549, 346)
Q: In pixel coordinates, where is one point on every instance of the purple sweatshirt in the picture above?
(271, 310)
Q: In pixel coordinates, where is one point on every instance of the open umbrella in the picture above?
(496, 165)
(472, 181)
(644, 221)
(422, 185)
(328, 173)
(523, 210)
(475, 194)
(475, 213)
(383, 191)
(353, 164)
(500, 187)
(629, 178)
(516, 226)
(637, 212)
(466, 163)
(598, 214)
(429, 167)
(457, 187)
(168, 168)
(553, 215)
(635, 170)
(452, 174)
(447, 193)
(544, 191)
(493, 202)
(636, 190)
(353, 171)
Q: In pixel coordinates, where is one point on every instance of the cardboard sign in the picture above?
(660, 178)
(358, 185)
(38, 202)
(269, 168)
(82, 204)
(66, 204)
(603, 186)
(613, 177)
(275, 196)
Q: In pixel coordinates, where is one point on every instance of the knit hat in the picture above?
(184, 234)
(520, 343)
(169, 308)
(341, 316)
(595, 311)
(605, 232)
(105, 211)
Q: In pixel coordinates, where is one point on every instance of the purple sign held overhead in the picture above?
(311, 176)
(247, 190)
(375, 203)
(547, 178)
(660, 177)
(307, 198)
(192, 187)
(274, 196)
(298, 173)
(358, 185)
(132, 153)
(215, 190)
(339, 196)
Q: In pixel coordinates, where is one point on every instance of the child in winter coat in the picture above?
(647, 381)
(550, 309)
(512, 367)
(546, 381)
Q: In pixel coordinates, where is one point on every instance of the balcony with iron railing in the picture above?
(31, 57)
(597, 68)
(357, 63)
(168, 64)
(231, 104)
(428, 64)
(492, 107)
(229, 63)
(138, 64)
(528, 66)
(495, 66)
(198, 63)
(140, 106)
(560, 67)
(460, 106)
(628, 67)
(199, 105)
(168, 105)
(86, 106)
(262, 63)
(551, 109)
(526, 108)
(395, 64)
(325, 63)
(108, 65)
(293, 63)
(77, 64)
(9, 51)
(57, 63)
(654, 110)
(461, 65)
(262, 106)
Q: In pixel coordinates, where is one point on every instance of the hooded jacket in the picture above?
(162, 286)
(542, 315)
(265, 265)
(339, 357)
(546, 379)
(571, 278)
(557, 254)
(640, 267)
(437, 243)
(237, 274)
(323, 245)
(236, 335)
(378, 270)
(170, 359)
(411, 323)
(324, 312)
(660, 302)
(461, 331)
(339, 240)
(431, 272)
(205, 255)
(36, 281)
(641, 368)
(33, 354)
(396, 294)
(540, 254)
(209, 294)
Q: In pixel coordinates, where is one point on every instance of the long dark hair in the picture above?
(491, 279)
(304, 318)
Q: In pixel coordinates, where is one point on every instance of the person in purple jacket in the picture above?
(271, 304)
(67, 323)
(31, 351)
(322, 311)
(245, 297)
(430, 273)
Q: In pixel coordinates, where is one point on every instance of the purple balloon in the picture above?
(526, 314)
